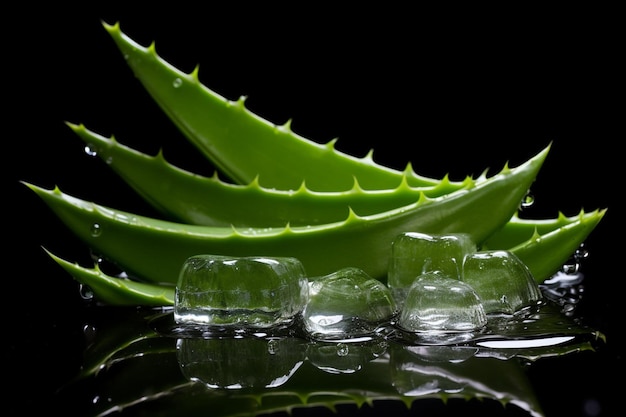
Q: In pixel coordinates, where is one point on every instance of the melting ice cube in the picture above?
(502, 280)
(413, 254)
(346, 303)
(436, 302)
(240, 291)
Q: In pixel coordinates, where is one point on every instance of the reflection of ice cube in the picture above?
(416, 253)
(236, 363)
(436, 302)
(247, 291)
(502, 280)
(344, 358)
(346, 303)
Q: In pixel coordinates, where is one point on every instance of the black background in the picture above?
(452, 91)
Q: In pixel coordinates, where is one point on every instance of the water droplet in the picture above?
(177, 83)
(568, 309)
(91, 150)
(570, 268)
(379, 348)
(86, 293)
(342, 349)
(581, 253)
(272, 346)
(90, 333)
(96, 230)
(527, 201)
(95, 257)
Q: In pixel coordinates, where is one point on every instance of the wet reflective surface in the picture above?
(145, 364)
(129, 361)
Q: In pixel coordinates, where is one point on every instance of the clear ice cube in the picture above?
(240, 291)
(346, 303)
(502, 280)
(413, 254)
(440, 303)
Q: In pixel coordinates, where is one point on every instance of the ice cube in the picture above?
(502, 280)
(413, 254)
(437, 302)
(346, 303)
(240, 291)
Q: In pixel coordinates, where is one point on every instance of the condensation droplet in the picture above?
(272, 346)
(90, 333)
(86, 293)
(342, 349)
(96, 230)
(91, 150)
(527, 201)
(568, 309)
(379, 348)
(95, 257)
(581, 253)
(177, 83)
(571, 268)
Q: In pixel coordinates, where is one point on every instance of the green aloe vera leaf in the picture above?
(245, 146)
(546, 250)
(117, 291)
(190, 198)
(519, 229)
(563, 233)
(154, 250)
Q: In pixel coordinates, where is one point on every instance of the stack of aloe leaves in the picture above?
(286, 195)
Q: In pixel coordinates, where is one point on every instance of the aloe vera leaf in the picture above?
(520, 229)
(194, 199)
(561, 233)
(154, 250)
(245, 146)
(117, 291)
(545, 251)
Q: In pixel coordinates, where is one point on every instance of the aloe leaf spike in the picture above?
(245, 146)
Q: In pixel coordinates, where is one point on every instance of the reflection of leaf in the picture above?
(139, 370)
(117, 335)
